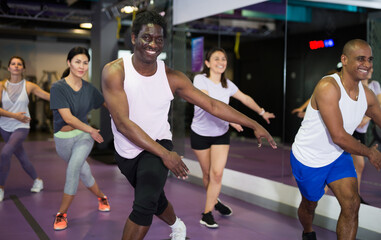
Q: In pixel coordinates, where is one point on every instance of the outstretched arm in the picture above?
(181, 85)
(250, 103)
(117, 104)
(300, 110)
(36, 90)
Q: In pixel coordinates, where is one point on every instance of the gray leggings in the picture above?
(74, 151)
(13, 145)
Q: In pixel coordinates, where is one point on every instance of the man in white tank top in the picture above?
(320, 155)
(140, 124)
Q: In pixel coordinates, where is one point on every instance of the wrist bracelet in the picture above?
(262, 112)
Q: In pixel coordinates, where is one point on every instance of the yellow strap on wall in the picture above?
(118, 20)
(236, 46)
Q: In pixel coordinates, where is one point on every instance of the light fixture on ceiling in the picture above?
(86, 25)
(129, 9)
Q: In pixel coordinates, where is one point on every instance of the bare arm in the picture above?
(182, 86)
(36, 90)
(364, 121)
(374, 109)
(117, 103)
(379, 98)
(326, 99)
(75, 123)
(250, 103)
(300, 110)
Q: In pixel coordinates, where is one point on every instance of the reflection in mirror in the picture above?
(253, 38)
(315, 42)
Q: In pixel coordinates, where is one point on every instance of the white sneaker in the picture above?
(38, 185)
(180, 232)
(1, 194)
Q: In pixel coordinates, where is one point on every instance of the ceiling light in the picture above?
(129, 9)
(86, 25)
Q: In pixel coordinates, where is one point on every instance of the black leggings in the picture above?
(147, 174)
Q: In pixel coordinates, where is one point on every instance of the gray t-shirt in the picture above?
(79, 102)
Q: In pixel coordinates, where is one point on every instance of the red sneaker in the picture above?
(103, 204)
(60, 223)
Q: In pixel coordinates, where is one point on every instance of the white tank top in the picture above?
(20, 105)
(375, 87)
(313, 144)
(149, 100)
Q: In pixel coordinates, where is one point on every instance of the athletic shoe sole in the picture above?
(207, 225)
(226, 215)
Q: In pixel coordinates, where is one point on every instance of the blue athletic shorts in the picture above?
(311, 181)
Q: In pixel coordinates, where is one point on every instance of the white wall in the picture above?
(189, 10)
(369, 217)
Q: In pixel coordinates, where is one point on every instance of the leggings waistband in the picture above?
(69, 134)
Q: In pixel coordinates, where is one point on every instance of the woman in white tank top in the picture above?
(14, 121)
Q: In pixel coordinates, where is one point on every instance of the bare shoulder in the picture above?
(30, 85)
(177, 80)
(173, 74)
(327, 84)
(113, 69)
(367, 90)
(370, 96)
(326, 90)
(114, 65)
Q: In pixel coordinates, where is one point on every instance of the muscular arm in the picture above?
(250, 103)
(374, 109)
(370, 101)
(326, 99)
(117, 104)
(182, 86)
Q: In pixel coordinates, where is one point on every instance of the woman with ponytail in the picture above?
(72, 98)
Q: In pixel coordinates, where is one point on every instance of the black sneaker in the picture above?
(208, 220)
(223, 209)
(309, 236)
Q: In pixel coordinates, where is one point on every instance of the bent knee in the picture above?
(351, 205)
(310, 206)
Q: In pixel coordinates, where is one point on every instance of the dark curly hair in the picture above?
(145, 17)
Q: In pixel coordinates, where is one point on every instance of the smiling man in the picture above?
(138, 91)
(321, 152)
